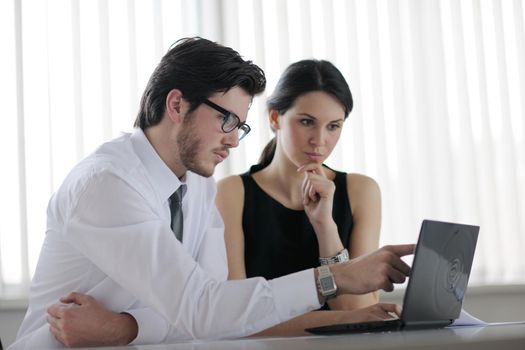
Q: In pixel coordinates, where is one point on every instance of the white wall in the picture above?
(488, 303)
(491, 304)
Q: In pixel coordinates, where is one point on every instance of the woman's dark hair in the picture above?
(298, 79)
(198, 68)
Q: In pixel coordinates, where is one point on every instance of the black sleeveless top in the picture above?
(278, 240)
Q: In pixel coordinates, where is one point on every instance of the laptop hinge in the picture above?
(426, 324)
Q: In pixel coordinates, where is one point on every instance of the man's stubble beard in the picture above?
(189, 144)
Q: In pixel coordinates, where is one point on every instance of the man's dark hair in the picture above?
(198, 68)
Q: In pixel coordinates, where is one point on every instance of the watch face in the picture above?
(327, 284)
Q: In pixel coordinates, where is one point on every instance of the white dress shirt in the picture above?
(108, 235)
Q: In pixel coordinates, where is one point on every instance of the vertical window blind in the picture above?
(438, 88)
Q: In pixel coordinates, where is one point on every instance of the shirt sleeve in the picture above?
(212, 253)
(152, 327)
(113, 226)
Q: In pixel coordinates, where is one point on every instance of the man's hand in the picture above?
(374, 271)
(79, 320)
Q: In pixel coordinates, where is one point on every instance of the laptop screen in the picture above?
(440, 272)
(437, 284)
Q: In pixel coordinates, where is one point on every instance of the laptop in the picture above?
(437, 284)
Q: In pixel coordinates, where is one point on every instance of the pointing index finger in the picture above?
(402, 249)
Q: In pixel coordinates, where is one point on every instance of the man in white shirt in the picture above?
(109, 238)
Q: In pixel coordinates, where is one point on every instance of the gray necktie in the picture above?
(176, 211)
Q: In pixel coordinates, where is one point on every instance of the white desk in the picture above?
(500, 337)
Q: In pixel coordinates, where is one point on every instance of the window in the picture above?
(438, 118)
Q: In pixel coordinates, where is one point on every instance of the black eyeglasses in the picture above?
(230, 120)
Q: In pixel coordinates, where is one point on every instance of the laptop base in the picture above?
(366, 327)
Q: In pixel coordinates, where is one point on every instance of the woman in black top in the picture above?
(290, 210)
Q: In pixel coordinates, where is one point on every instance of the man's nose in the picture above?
(231, 138)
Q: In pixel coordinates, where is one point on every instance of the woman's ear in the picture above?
(174, 105)
(274, 119)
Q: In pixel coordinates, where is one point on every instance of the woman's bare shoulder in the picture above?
(230, 194)
(232, 182)
(361, 183)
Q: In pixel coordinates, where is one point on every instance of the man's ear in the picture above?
(174, 105)
(274, 119)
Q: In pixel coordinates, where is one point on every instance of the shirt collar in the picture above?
(163, 180)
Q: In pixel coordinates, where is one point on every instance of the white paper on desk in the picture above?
(466, 319)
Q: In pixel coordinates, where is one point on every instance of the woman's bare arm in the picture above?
(230, 202)
(365, 201)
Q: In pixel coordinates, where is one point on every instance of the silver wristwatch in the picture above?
(340, 257)
(326, 282)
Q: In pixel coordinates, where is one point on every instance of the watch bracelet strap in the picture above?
(339, 257)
